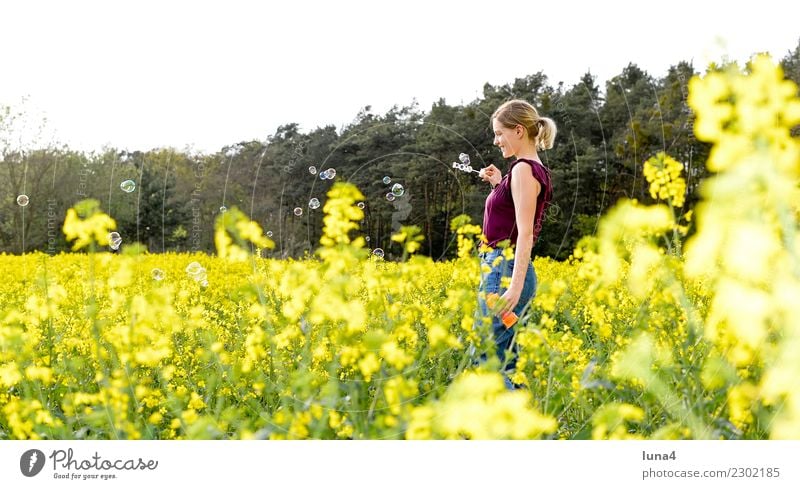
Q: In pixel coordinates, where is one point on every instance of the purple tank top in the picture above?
(499, 218)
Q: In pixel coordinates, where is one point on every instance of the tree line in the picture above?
(605, 135)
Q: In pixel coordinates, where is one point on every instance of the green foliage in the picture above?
(604, 135)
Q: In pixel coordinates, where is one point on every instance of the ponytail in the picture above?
(547, 133)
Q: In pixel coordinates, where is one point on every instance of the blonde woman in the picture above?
(514, 212)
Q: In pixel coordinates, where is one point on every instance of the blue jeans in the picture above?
(490, 283)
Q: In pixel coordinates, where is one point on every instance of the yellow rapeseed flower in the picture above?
(85, 224)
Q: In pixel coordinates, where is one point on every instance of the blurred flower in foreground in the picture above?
(86, 224)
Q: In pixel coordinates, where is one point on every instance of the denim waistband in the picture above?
(490, 255)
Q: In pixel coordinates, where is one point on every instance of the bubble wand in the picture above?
(465, 165)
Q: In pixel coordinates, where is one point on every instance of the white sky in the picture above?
(206, 74)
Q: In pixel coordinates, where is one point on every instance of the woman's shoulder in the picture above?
(531, 162)
(536, 166)
(539, 172)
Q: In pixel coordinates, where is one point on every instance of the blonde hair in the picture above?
(541, 130)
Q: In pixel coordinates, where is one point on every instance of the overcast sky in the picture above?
(206, 74)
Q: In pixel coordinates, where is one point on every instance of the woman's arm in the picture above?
(525, 190)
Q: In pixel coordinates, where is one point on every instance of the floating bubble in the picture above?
(298, 211)
(390, 197)
(128, 186)
(158, 274)
(464, 158)
(313, 203)
(194, 268)
(377, 252)
(223, 209)
(269, 234)
(197, 273)
(114, 240)
(398, 190)
(387, 180)
(323, 175)
(23, 200)
(361, 205)
(367, 239)
(312, 170)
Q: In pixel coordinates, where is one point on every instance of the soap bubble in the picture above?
(360, 205)
(114, 240)
(398, 190)
(331, 173)
(313, 203)
(464, 158)
(387, 180)
(128, 186)
(197, 273)
(194, 268)
(269, 234)
(298, 211)
(312, 170)
(158, 274)
(367, 239)
(201, 277)
(323, 175)
(390, 197)
(223, 209)
(23, 200)
(377, 252)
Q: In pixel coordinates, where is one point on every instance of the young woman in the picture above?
(513, 213)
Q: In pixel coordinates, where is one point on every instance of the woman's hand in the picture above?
(491, 174)
(509, 301)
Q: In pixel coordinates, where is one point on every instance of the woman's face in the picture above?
(506, 139)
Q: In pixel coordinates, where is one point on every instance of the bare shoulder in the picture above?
(523, 180)
(522, 170)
